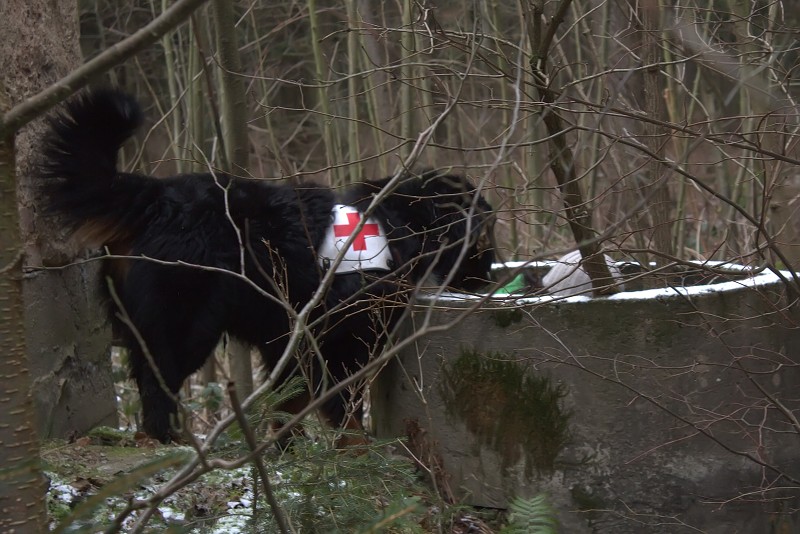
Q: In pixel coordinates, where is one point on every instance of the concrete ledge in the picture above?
(678, 401)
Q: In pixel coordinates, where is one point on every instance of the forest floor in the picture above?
(94, 479)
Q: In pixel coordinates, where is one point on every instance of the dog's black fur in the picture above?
(434, 223)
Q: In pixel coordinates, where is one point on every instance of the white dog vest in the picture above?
(368, 251)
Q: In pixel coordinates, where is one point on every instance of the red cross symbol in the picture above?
(344, 230)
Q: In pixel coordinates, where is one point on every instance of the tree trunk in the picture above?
(380, 98)
(657, 219)
(22, 486)
(325, 117)
(237, 150)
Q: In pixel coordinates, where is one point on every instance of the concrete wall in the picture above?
(671, 423)
(68, 341)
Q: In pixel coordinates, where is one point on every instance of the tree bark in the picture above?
(22, 486)
(657, 218)
(233, 109)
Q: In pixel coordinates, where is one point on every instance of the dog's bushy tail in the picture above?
(80, 179)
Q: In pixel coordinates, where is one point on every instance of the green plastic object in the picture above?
(516, 285)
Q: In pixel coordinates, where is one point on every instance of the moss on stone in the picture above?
(516, 413)
(506, 317)
(106, 435)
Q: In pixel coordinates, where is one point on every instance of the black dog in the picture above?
(434, 226)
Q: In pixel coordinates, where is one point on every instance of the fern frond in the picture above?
(531, 516)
